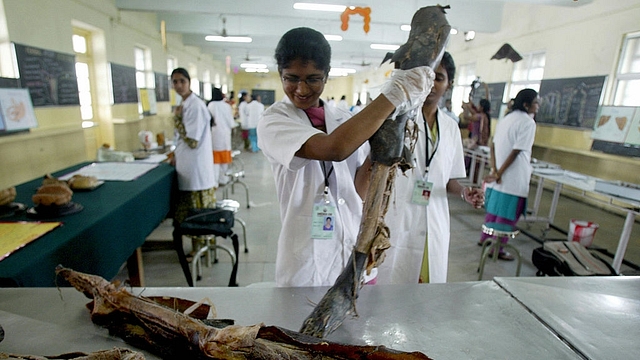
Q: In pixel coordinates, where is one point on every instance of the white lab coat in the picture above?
(301, 260)
(516, 131)
(409, 223)
(195, 166)
(254, 111)
(221, 133)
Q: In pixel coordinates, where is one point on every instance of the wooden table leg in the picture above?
(136, 269)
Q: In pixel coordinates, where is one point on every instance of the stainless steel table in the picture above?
(507, 318)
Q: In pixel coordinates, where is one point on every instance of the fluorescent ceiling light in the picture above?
(256, 70)
(255, 66)
(405, 27)
(469, 35)
(333, 37)
(341, 71)
(384, 47)
(319, 7)
(240, 39)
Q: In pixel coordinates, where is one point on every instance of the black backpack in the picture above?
(568, 258)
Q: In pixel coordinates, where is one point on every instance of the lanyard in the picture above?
(315, 116)
(437, 140)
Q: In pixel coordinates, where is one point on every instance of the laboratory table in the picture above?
(506, 318)
(583, 186)
(114, 222)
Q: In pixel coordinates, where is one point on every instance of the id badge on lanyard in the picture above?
(421, 192)
(323, 216)
(422, 188)
(323, 221)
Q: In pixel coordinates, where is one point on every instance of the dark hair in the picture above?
(303, 44)
(486, 108)
(525, 96)
(216, 94)
(181, 71)
(449, 65)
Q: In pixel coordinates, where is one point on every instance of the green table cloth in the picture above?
(116, 219)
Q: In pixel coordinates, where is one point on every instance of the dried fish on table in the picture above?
(425, 47)
(113, 354)
(174, 335)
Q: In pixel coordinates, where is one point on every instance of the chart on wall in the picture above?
(570, 102)
(633, 136)
(613, 123)
(50, 76)
(16, 110)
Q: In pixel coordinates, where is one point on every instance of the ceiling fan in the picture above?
(362, 63)
(224, 36)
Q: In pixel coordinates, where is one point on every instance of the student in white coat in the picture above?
(317, 160)
(193, 156)
(221, 134)
(420, 210)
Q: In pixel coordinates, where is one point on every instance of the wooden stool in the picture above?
(493, 244)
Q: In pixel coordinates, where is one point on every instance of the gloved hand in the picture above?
(407, 89)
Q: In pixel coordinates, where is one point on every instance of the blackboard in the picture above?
(123, 81)
(496, 91)
(267, 97)
(50, 76)
(616, 148)
(162, 87)
(9, 83)
(570, 102)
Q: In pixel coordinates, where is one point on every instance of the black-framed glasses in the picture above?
(312, 82)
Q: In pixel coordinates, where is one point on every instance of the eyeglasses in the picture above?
(314, 82)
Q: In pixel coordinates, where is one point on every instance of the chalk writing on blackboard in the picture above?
(50, 76)
(570, 102)
(162, 87)
(123, 81)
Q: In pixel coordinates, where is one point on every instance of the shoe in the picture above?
(506, 256)
(480, 243)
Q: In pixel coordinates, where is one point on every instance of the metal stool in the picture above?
(233, 205)
(235, 172)
(492, 245)
(206, 224)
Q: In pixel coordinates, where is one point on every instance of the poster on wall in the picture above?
(570, 102)
(50, 76)
(633, 135)
(16, 110)
(148, 100)
(613, 123)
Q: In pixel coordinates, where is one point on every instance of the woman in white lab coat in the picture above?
(221, 134)
(419, 209)
(317, 160)
(193, 156)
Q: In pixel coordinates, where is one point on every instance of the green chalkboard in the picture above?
(50, 76)
(570, 102)
(123, 82)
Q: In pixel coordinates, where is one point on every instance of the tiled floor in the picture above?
(257, 266)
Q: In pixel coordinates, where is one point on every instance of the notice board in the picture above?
(123, 82)
(570, 102)
(50, 76)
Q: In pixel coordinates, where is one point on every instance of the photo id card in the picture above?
(322, 221)
(421, 192)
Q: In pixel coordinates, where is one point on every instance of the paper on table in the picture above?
(16, 235)
(113, 171)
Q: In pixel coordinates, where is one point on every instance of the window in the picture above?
(627, 84)
(81, 45)
(172, 63)
(144, 72)
(206, 88)
(527, 73)
(465, 74)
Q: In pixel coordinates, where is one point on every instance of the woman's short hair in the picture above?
(525, 96)
(181, 71)
(303, 44)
